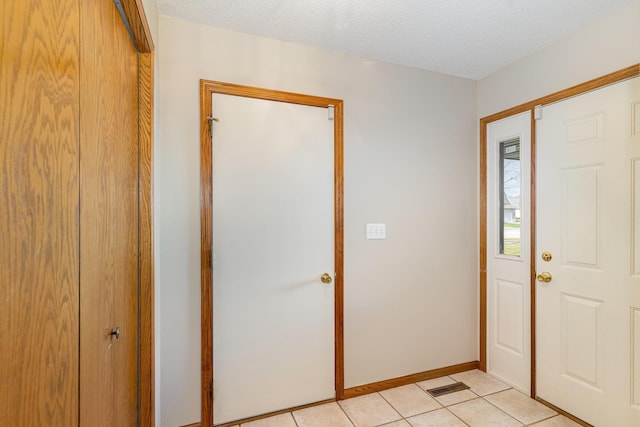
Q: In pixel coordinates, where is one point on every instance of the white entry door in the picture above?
(588, 220)
(508, 248)
(273, 239)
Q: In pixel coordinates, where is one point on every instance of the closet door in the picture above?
(108, 219)
(39, 231)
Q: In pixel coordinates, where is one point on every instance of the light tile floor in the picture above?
(488, 402)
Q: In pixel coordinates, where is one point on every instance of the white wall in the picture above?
(410, 162)
(151, 11)
(607, 45)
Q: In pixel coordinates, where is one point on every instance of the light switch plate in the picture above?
(376, 231)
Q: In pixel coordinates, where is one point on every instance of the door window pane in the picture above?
(510, 243)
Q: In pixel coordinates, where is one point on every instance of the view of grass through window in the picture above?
(510, 241)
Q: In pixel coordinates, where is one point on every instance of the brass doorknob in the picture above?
(326, 278)
(545, 277)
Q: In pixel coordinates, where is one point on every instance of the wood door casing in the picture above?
(207, 89)
(109, 218)
(39, 272)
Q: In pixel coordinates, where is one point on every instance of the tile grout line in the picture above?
(294, 419)
(442, 406)
(402, 417)
(512, 416)
(545, 419)
(501, 410)
(345, 413)
(446, 407)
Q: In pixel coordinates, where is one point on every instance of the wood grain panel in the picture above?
(483, 248)
(206, 273)
(39, 89)
(108, 218)
(134, 11)
(207, 88)
(147, 300)
(409, 379)
(338, 141)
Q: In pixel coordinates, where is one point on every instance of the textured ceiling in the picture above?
(465, 38)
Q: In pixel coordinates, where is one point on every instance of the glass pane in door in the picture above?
(510, 179)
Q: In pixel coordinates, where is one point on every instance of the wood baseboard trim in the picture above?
(270, 414)
(563, 412)
(409, 379)
(366, 389)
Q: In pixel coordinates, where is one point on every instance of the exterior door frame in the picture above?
(207, 89)
(608, 79)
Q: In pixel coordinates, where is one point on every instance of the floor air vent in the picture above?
(446, 389)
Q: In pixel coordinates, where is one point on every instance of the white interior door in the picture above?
(588, 219)
(273, 225)
(508, 248)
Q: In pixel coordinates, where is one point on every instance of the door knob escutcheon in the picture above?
(544, 277)
(326, 278)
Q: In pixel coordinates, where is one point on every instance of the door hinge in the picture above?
(537, 112)
(211, 392)
(331, 112)
(208, 258)
(210, 120)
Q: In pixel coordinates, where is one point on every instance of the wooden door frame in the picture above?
(137, 21)
(147, 278)
(608, 79)
(207, 89)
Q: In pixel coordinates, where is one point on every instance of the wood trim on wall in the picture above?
(207, 89)
(206, 247)
(147, 299)
(532, 254)
(608, 79)
(409, 379)
(365, 389)
(579, 89)
(137, 19)
(483, 247)
(272, 414)
(134, 11)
